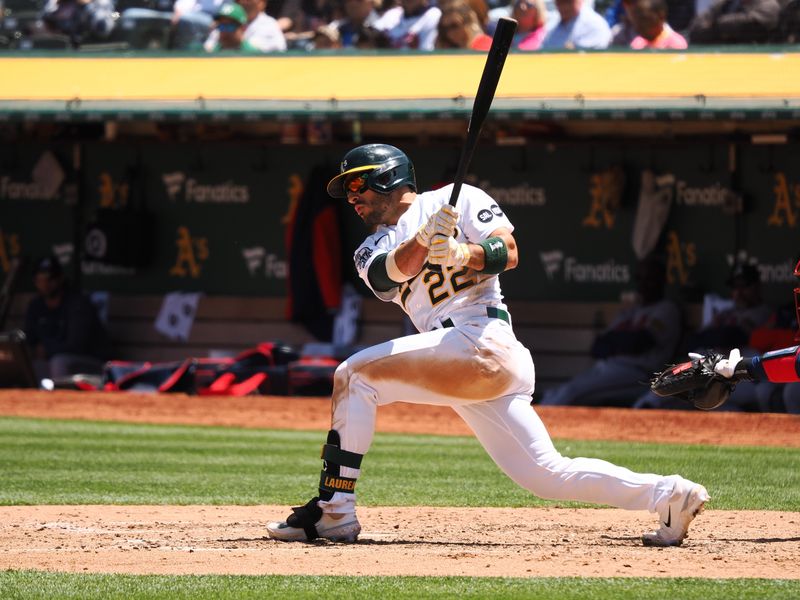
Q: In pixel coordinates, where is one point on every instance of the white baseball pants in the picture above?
(482, 371)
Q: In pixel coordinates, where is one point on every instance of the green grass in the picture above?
(34, 584)
(77, 462)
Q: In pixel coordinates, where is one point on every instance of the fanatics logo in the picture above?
(485, 216)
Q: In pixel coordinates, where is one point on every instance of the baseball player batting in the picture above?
(465, 357)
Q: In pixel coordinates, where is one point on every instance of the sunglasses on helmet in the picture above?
(357, 184)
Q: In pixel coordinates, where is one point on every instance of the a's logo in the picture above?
(174, 183)
(362, 256)
(496, 210)
(787, 198)
(681, 256)
(605, 192)
(551, 261)
(484, 216)
(343, 166)
(259, 261)
(112, 194)
(9, 249)
(194, 191)
(573, 271)
(192, 252)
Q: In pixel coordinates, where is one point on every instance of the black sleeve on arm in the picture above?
(378, 277)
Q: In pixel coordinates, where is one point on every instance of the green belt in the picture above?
(491, 312)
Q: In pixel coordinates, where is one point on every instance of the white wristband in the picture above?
(392, 270)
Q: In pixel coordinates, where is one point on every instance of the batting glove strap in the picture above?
(447, 252)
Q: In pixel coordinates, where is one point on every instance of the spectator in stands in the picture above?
(788, 29)
(230, 23)
(729, 328)
(299, 20)
(531, 17)
(649, 20)
(326, 37)
(80, 20)
(622, 30)
(413, 24)
(459, 28)
(261, 32)
(579, 27)
(192, 20)
(358, 15)
(679, 14)
(62, 326)
(638, 342)
(736, 22)
(369, 38)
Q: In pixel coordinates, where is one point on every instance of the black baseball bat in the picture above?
(501, 42)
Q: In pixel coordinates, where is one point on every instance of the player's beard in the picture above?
(379, 213)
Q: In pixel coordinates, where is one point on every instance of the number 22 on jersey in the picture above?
(440, 284)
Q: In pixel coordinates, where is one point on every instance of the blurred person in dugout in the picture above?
(780, 331)
(727, 324)
(261, 32)
(780, 365)
(62, 326)
(459, 27)
(640, 339)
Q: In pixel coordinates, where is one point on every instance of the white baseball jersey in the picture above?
(431, 297)
(476, 366)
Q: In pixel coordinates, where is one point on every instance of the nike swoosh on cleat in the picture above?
(668, 522)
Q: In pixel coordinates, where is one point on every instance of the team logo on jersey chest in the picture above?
(485, 215)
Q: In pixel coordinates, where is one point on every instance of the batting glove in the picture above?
(447, 252)
(442, 222)
(727, 366)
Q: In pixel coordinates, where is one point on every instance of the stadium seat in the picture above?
(45, 41)
(143, 29)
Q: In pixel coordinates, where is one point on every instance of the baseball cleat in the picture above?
(307, 523)
(687, 501)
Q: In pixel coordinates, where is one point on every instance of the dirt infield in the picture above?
(523, 542)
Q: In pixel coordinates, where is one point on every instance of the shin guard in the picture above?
(333, 458)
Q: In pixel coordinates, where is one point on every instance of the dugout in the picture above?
(200, 160)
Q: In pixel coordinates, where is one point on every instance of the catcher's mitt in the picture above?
(695, 381)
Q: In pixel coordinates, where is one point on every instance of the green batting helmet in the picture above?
(388, 169)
